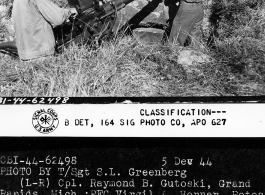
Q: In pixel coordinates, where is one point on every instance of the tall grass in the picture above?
(125, 66)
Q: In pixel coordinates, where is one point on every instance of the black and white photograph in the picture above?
(132, 97)
(132, 48)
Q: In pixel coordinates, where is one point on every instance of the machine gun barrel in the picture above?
(9, 48)
(119, 4)
(140, 16)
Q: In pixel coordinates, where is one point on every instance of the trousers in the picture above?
(186, 25)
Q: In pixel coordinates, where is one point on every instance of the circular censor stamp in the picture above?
(45, 121)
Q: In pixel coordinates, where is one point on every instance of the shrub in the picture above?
(238, 36)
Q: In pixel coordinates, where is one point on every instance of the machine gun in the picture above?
(95, 21)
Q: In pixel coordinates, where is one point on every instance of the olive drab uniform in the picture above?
(186, 27)
(33, 21)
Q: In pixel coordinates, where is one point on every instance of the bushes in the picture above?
(238, 34)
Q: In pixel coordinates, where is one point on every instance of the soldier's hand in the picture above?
(74, 12)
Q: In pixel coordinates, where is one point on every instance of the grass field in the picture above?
(234, 45)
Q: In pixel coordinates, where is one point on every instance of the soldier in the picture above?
(186, 27)
(33, 22)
